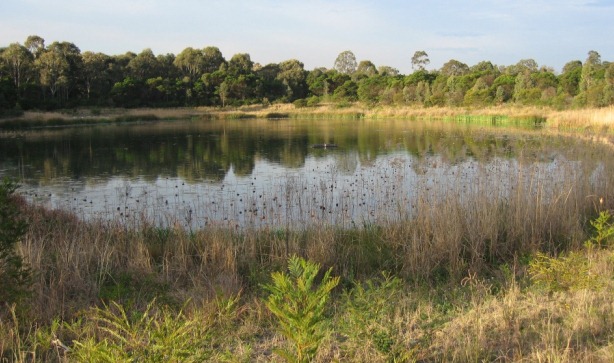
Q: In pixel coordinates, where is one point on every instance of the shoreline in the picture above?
(584, 120)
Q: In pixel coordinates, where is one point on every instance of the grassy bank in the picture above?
(591, 120)
(484, 277)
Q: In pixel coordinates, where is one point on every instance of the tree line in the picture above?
(36, 76)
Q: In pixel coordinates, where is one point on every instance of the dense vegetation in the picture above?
(36, 76)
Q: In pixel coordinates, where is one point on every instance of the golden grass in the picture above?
(594, 120)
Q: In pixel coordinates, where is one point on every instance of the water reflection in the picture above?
(265, 173)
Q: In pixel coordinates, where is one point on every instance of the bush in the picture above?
(563, 273)
(299, 306)
(15, 275)
(604, 231)
(300, 103)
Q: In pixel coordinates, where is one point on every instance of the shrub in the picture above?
(604, 231)
(15, 275)
(563, 273)
(298, 303)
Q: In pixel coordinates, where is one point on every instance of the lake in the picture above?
(267, 174)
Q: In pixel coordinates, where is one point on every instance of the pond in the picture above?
(267, 173)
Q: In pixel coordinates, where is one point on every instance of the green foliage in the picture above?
(299, 304)
(155, 335)
(572, 271)
(564, 273)
(604, 230)
(15, 275)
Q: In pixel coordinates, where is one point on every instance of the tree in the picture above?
(454, 68)
(191, 61)
(370, 89)
(608, 90)
(19, 62)
(387, 71)
(53, 70)
(420, 60)
(212, 59)
(60, 67)
(569, 80)
(366, 68)
(240, 64)
(589, 70)
(223, 91)
(144, 65)
(35, 44)
(346, 62)
(292, 75)
(95, 72)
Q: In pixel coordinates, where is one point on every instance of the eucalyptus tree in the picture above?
(191, 62)
(366, 68)
(35, 44)
(272, 86)
(569, 79)
(212, 59)
(370, 89)
(346, 63)
(387, 71)
(454, 68)
(18, 61)
(420, 60)
(589, 70)
(240, 64)
(96, 73)
(317, 82)
(293, 76)
(144, 66)
(60, 67)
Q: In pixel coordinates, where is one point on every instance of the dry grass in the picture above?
(587, 120)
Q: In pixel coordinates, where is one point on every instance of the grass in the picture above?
(596, 121)
(469, 276)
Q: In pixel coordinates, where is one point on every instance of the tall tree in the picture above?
(212, 59)
(144, 65)
(569, 80)
(191, 61)
(60, 67)
(35, 44)
(18, 60)
(346, 62)
(420, 60)
(454, 68)
(240, 64)
(589, 70)
(95, 72)
(366, 68)
(292, 75)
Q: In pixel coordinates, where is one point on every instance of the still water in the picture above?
(266, 173)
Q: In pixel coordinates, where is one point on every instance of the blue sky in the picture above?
(386, 32)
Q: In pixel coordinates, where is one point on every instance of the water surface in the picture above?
(265, 173)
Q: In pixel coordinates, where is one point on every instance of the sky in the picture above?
(386, 32)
